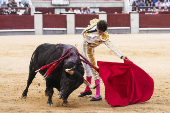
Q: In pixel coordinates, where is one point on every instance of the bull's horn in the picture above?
(69, 71)
(89, 85)
(37, 70)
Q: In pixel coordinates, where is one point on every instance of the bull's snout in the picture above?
(69, 71)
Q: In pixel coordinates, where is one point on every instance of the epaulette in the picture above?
(105, 36)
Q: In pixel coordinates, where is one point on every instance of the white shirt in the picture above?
(77, 11)
(21, 5)
(165, 4)
(19, 13)
(70, 11)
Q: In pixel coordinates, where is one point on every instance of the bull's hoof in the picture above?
(49, 104)
(64, 104)
(23, 97)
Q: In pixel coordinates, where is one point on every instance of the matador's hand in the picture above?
(125, 58)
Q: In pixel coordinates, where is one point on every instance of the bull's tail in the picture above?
(32, 65)
(34, 60)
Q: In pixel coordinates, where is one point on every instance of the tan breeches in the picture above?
(88, 53)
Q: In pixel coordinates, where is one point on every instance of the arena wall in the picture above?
(16, 22)
(54, 21)
(57, 24)
(154, 21)
(45, 10)
(118, 20)
(80, 3)
(83, 20)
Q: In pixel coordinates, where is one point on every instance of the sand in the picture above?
(149, 51)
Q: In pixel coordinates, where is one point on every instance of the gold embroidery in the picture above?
(105, 36)
(94, 21)
(92, 24)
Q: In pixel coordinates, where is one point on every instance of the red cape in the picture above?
(125, 83)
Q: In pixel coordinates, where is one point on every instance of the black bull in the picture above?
(60, 79)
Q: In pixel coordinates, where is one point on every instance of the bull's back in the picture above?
(47, 53)
(44, 54)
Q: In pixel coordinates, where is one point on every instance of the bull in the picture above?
(67, 77)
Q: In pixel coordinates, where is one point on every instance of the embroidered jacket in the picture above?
(93, 39)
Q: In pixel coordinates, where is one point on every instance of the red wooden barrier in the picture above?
(111, 9)
(83, 20)
(118, 20)
(154, 21)
(164, 12)
(45, 10)
(16, 22)
(54, 21)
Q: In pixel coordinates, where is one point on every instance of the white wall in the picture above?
(81, 4)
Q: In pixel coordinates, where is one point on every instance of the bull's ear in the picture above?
(69, 71)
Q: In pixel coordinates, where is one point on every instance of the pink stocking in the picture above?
(89, 80)
(98, 88)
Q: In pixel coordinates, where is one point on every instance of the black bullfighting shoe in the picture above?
(86, 93)
(96, 99)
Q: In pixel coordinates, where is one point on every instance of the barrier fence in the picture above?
(118, 20)
(111, 9)
(54, 21)
(16, 22)
(83, 20)
(154, 21)
(60, 22)
(45, 10)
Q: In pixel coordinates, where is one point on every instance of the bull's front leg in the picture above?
(46, 93)
(65, 103)
(49, 102)
(49, 91)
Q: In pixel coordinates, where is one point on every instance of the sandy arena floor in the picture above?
(149, 51)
